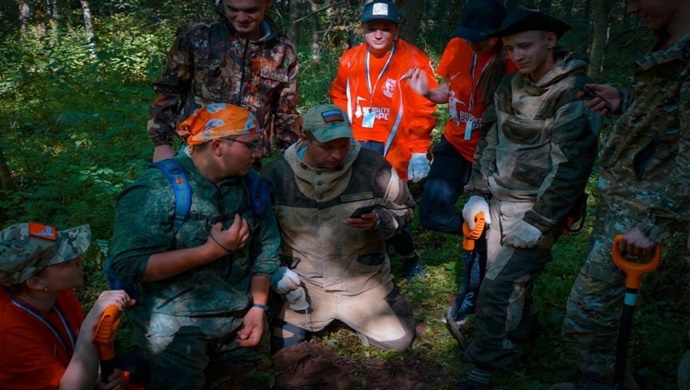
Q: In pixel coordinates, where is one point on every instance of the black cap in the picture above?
(478, 19)
(530, 20)
(380, 10)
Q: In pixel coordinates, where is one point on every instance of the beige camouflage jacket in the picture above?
(646, 157)
(311, 204)
(541, 144)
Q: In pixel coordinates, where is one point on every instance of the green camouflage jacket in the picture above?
(646, 156)
(209, 62)
(541, 143)
(144, 226)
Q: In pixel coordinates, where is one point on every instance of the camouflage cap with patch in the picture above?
(327, 122)
(26, 248)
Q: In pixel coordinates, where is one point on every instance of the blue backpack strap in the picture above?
(183, 205)
(259, 192)
(181, 188)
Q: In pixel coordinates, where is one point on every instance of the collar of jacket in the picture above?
(680, 50)
(194, 175)
(322, 185)
(304, 171)
(268, 26)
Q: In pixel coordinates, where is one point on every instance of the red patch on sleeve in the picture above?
(42, 231)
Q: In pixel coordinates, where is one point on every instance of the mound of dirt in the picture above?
(312, 365)
(309, 366)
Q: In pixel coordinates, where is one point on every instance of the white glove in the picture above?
(523, 235)
(297, 299)
(419, 167)
(475, 205)
(285, 280)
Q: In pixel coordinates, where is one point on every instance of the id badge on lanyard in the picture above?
(468, 130)
(368, 119)
(370, 116)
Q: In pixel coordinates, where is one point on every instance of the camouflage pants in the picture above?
(180, 349)
(504, 314)
(593, 309)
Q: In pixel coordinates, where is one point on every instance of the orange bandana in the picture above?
(217, 120)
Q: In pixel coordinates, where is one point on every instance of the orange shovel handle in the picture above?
(634, 271)
(104, 336)
(470, 236)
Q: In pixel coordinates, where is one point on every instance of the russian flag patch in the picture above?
(332, 116)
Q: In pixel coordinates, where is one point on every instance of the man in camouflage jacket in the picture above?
(203, 290)
(239, 59)
(529, 172)
(644, 181)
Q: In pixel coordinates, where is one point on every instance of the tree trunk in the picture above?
(6, 182)
(315, 45)
(293, 15)
(53, 10)
(52, 15)
(446, 13)
(531, 4)
(511, 5)
(600, 32)
(545, 6)
(88, 28)
(567, 8)
(24, 14)
(588, 7)
(413, 11)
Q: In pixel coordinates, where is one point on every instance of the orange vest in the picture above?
(463, 69)
(397, 108)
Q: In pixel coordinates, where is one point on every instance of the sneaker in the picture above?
(412, 268)
(460, 313)
(469, 384)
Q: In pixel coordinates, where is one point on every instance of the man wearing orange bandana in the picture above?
(204, 286)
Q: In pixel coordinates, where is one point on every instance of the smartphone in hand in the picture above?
(363, 210)
(591, 95)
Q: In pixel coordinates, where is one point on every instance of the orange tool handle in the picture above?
(470, 236)
(104, 336)
(634, 271)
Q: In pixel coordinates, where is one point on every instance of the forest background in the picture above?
(74, 94)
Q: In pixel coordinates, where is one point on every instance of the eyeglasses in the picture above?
(253, 146)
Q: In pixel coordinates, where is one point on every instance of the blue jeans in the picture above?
(442, 188)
